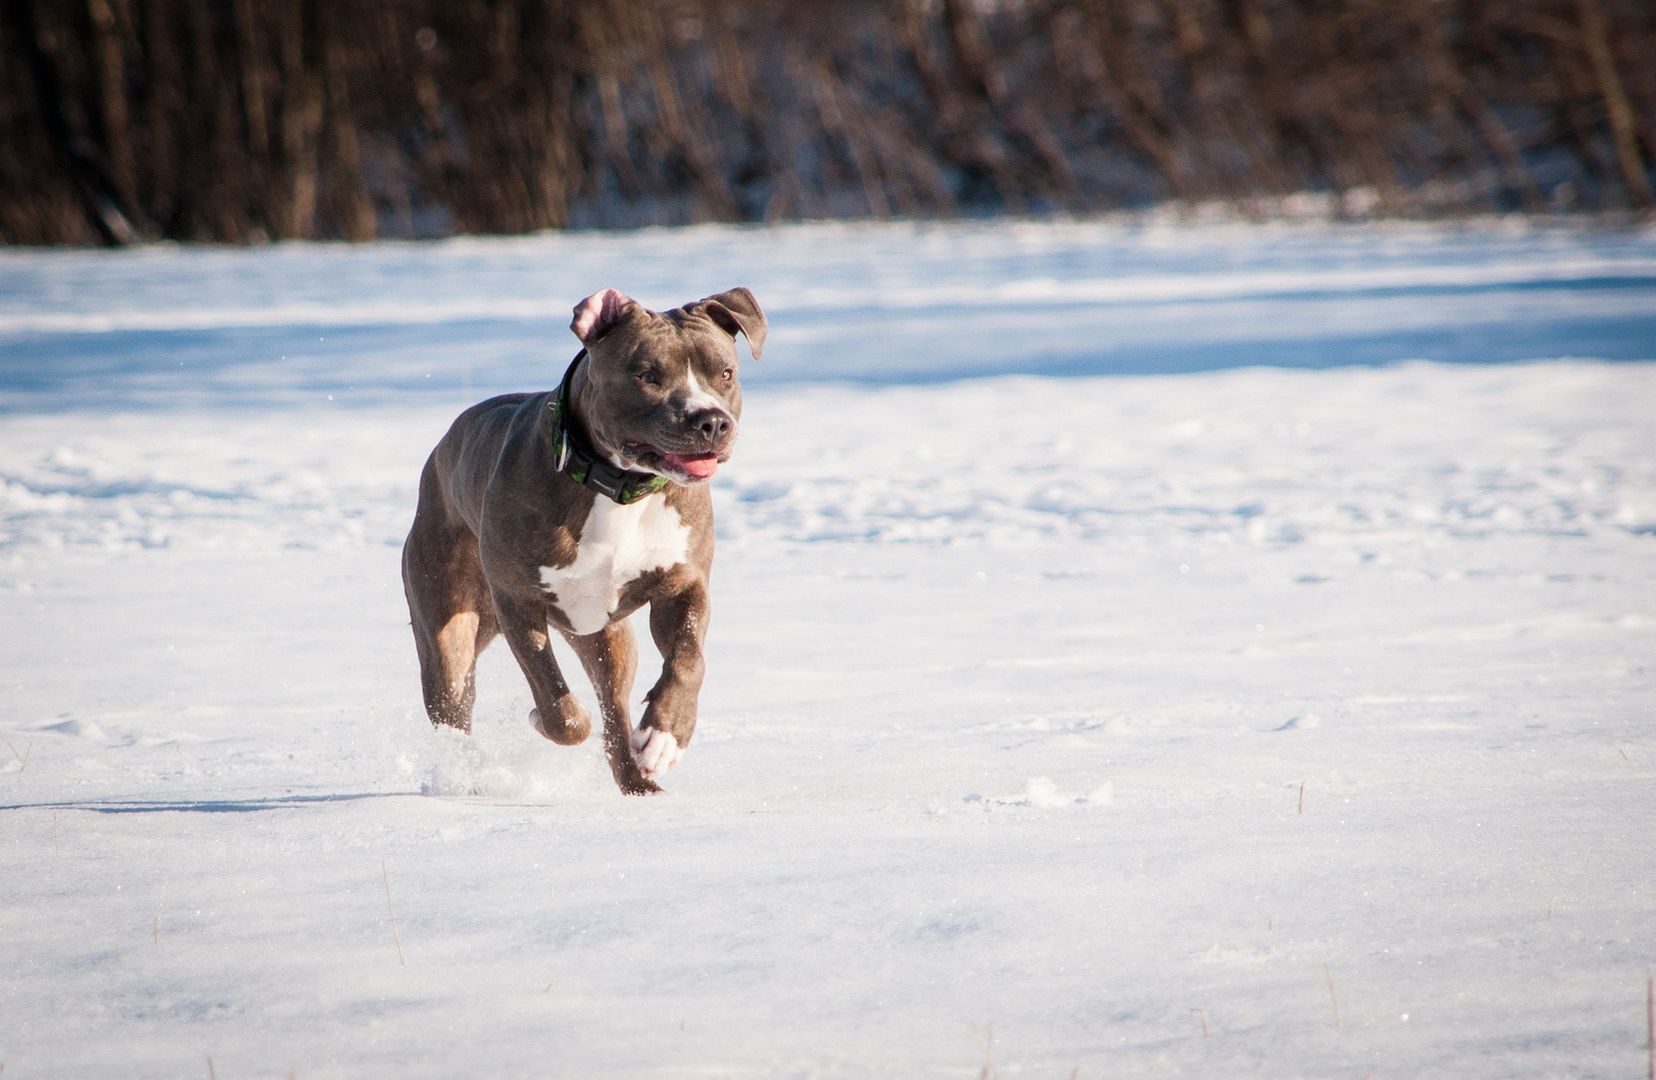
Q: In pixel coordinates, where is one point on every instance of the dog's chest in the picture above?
(618, 545)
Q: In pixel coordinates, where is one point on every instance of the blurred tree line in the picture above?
(245, 120)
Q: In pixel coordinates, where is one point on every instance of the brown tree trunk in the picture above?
(1624, 128)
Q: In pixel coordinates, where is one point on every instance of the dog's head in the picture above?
(659, 391)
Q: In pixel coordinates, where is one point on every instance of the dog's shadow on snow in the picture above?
(206, 806)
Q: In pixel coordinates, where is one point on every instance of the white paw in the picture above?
(655, 751)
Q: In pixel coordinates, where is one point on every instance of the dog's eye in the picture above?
(649, 378)
(727, 374)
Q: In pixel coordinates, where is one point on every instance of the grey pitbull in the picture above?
(575, 507)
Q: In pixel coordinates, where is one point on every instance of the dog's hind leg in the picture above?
(448, 675)
(451, 614)
(610, 658)
(448, 637)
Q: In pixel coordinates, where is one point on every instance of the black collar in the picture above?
(578, 461)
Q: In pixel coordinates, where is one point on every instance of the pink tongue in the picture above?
(702, 465)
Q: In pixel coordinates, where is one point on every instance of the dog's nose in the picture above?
(713, 424)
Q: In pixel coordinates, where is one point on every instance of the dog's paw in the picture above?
(655, 751)
(637, 785)
(570, 726)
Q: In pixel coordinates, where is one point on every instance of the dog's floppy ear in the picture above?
(598, 313)
(737, 312)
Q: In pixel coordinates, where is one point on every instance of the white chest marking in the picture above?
(618, 545)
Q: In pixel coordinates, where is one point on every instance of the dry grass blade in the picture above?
(23, 758)
(987, 1038)
(395, 936)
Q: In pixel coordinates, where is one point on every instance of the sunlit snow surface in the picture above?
(1139, 650)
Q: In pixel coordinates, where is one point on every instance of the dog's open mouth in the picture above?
(686, 468)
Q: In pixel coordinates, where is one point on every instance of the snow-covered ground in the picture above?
(1139, 650)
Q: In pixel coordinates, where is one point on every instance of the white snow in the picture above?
(1138, 650)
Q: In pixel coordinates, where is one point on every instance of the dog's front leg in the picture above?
(557, 714)
(678, 623)
(611, 660)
